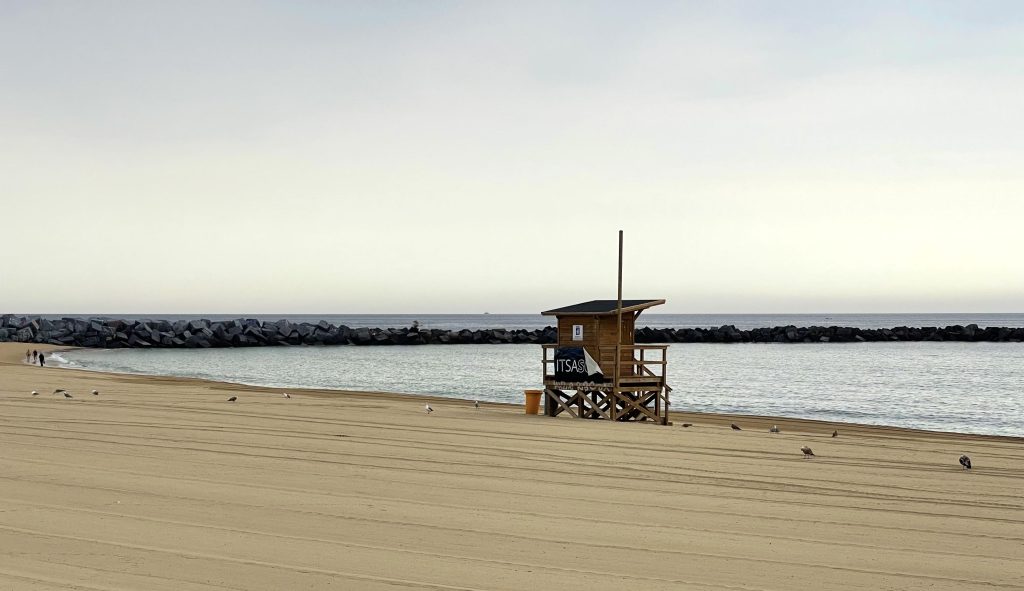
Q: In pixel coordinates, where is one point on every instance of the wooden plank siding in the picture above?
(590, 342)
(599, 336)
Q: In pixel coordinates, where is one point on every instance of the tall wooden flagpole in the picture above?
(618, 342)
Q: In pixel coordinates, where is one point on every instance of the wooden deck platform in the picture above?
(643, 393)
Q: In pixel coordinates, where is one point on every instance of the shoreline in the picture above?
(678, 417)
(162, 483)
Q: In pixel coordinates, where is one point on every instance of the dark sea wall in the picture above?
(249, 332)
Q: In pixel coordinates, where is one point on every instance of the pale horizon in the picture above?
(197, 315)
(378, 158)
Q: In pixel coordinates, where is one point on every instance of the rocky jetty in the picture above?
(241, 332)
(250, 332)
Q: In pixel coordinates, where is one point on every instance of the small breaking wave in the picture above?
(59, 359)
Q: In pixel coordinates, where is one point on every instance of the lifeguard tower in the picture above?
(581, 376)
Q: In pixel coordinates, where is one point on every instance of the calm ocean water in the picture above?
(963, 387)
(532, 321)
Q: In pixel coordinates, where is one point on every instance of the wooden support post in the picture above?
(618, 341)
(664, 386)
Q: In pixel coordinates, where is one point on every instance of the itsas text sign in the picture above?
(574, 364)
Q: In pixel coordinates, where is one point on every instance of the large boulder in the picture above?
(361, 336)
(195, 326)
(284, 327)
(135, 341)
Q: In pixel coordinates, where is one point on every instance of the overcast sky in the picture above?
(305, 157)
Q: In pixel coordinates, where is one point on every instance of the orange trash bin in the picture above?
(533, 401)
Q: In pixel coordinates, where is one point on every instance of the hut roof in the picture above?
(603, 307)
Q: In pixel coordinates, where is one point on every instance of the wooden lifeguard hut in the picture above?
(581, 376)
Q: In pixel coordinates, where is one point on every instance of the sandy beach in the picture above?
(160, 483)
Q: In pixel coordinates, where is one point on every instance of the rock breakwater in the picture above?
(250, 332)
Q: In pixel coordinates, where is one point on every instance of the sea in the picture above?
(942, 386)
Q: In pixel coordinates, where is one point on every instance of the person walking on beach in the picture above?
(42, 360)
(35, 355)
(28, 356)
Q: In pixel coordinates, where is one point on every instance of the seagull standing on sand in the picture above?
(735, 427)
(476, 404)
(286, 395)
(835, 434)
(773, 429)
(59, 391)
(429, 410)
(67, 395)
(233, 398)
(34, 393)
(807, 452)
(95, 392)
(965, 461)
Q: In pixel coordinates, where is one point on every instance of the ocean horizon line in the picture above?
(335, 314)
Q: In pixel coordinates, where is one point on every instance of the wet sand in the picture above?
(160, 483)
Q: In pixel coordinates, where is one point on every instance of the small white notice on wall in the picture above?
(577, 332)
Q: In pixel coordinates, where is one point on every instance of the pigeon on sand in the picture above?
(429, 410)
(807, 452)
(67, 395)
(687, 424)
(233, 398)
(965, 461)
(835, 434)
(735, 427)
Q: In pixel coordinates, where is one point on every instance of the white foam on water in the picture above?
(57, 357)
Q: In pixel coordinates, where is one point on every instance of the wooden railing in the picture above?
(636, 366)
(642, 394)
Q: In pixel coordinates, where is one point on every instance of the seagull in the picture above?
(687, 424)
(233, 398)
(95, 392)
(34, 393)
(965, 461)
(59, 391)
(835, 434)
(735, 427)
(66, 395)
(807, 452)
(773, 429)
(476, 404)
(286, 395)
(429, 410)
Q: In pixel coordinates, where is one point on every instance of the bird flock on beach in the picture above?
(964, 460)
(808, 453)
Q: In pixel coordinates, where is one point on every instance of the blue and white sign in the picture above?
(574, 364)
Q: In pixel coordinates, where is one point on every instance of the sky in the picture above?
(461, 157)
